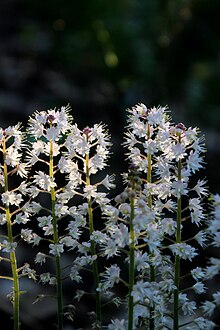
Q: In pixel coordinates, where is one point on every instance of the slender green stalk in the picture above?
(93, 252)
(56, 240)
(13, 260)
(149, 171)
(131, 269)
(177, 258)
(152, 268)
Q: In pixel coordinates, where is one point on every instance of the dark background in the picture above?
(105, 56)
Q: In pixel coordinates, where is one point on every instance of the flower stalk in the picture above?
(13, 259)
(55, 241)
(131, 268)
(93, 249)
(149, 180)
(177, 257)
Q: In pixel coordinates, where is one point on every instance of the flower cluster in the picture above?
(14, 197)
(52, 181)
(163, 159)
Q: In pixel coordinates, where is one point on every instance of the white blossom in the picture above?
(117, 325)
(56, 249)
(198, 273)
(199, 287)
(189, 308)
(208, 308)
(183, 250)
(8, 246)
(201, 323)
(112, 275)
(40, 258)
(11, 198)
(44, 181)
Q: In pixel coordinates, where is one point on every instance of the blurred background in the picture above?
(102, 57)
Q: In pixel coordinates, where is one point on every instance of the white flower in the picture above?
(162, 168)
(40, 258)
(194, 204)
(108, 182)
(196, 211)
(119, 234)
(28, 236)
(141, 261)
(23, 188)
(156, 115)
(90, 191)
(189, 308)
(74, 274)
(56, 249)
(12, 156)
(79, 294)
(37, 148)
(144, 291)
(2, 219)
(11, 198)
(214, 269)
(150, 146)
(61, 210)
(112, 275)
(179, 188)
(199, 287)
(201, 324)
(44, 221)
(98, 237)
(44, 181)
(34, 207)
(216, 297)
(48, 230)
(216, 239)
(167, 285)
(22, 218)
(8, 246)
(197, 273)
(66, 165)
(200, 189)
(125, 209)
(117, 325)
(52, 133)
(183, 250)
(45, 277)
(194, 161)
(69, 242)
(168, 226)
(85, 260)
(208, 308)
(110, 248)
(22, 170)
(179, 151)
(27, 271)
(55, 148)
(201, 238)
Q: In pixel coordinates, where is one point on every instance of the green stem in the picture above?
(56, 241)
(131, 269)
(177, 258)
(13, 260)
(93, 252)
(152, 268)
(149, 171)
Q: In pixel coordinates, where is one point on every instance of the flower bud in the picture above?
(86, 131)
(181, 126)
(50, 118)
